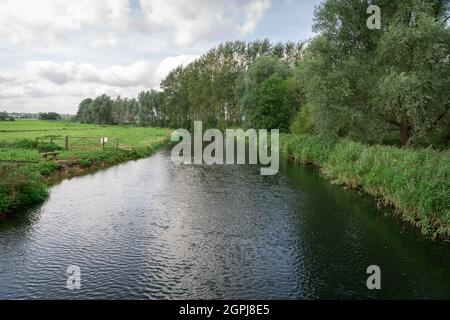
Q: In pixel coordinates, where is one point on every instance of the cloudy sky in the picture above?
(54, 53)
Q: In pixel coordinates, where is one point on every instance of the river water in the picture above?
(150, 229)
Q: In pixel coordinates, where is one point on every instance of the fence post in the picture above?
(66, 144)
(117, 143)
(103, 143)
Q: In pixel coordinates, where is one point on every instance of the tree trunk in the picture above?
(405, 132)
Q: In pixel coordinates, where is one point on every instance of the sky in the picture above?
(55, 53)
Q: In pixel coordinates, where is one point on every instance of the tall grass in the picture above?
(21, 186)
(415, 182)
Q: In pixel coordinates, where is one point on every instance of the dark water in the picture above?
(150, 229)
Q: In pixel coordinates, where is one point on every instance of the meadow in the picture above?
(25, 174)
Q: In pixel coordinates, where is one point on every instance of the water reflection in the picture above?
(151, 229)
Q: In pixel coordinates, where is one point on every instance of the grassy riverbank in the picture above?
(24, 176)
(415, 182)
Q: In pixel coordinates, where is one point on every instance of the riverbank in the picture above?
(415, 182)
(23, 187)
(25, 177)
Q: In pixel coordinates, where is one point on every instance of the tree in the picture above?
(414, 89)
(269, 106)
(150, 111)
(206, 89)
(367, 83)
(302, 122)
(251, 89)
(98, 111)
(3, 116)
(83, 114)
(49, 116)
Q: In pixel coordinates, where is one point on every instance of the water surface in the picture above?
(150, 229)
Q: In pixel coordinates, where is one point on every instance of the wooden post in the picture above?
(103, 143)
(66, 144)
(117, 143)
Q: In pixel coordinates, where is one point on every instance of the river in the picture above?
(149, 229)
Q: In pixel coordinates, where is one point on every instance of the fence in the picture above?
(70, 143)
(89, 143)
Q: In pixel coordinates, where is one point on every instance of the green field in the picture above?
(24, 174)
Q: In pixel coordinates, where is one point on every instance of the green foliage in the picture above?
(3, 116)
(49, 116)
(48, 147)
(150, 109)
(358, 83)
(268, 106)
(365, 84)
(202, 90)
(85, 163)
(413, 89)
(303, 122)
(39, 145)
(214, 88)
(19, 143)
(97, 111)
(267, 95)
(415, 182)
(20, 187)
(47, 169)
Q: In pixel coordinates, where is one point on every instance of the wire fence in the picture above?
(70, 143)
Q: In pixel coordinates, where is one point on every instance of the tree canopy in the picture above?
(364, 83)
(372, 85)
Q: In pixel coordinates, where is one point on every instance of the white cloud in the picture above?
(138, 73)
(6, 76)
(64, 51)
(40, 23)
(45, 80)
(170, 63)
(255, 12)
(188, 21)
(108, 23)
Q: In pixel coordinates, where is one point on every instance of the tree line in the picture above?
(205, 89)
(387, 84)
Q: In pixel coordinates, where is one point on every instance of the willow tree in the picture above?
(366, 83)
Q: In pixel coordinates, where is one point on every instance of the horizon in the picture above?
(57, 55)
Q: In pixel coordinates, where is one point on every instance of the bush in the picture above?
(49, 116)
(47, 169)
(19, 143)
(302, 122)
(20, 187)
(47, 147)
(84, 163)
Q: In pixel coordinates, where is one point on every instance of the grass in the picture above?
(416, 182)
(24, 177)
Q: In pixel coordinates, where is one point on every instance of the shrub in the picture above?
(302, 122)
(19, 143)
(20, 187)
(46, 169)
